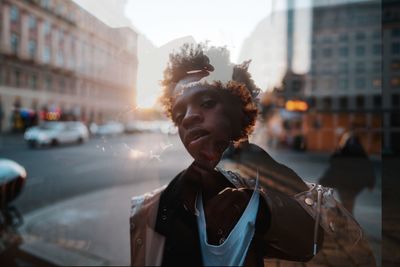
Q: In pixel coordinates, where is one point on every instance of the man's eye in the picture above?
(178, 118)
(209, 103)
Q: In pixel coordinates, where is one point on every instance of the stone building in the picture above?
(60, 62)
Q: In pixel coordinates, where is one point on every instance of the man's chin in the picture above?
(205, 165)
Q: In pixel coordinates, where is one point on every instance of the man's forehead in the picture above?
(192, 89)
(188, 94)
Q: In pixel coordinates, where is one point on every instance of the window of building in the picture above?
(395, 82)
(377, 66)
(45, 3)
(377, 35)
(343, 102)
(14, 43)
(46, 27)
(314, 40)
(343, 84)
(14, 13)
(360, 50)
(363, 19)
(32, 22)
(60, 57)
(327, 39)
(32, 48)
(343, 67)
(313, 53)
(312, 101)
(360, 67)
(395, 100)
(395, 122)
(395, 65)
(396, 32)
(360, 101)
(60, 9)
(61, 36)
(377, 101)
(343, 37)
(49, 83)
(360, 36)
(344, 51)
(377, 49)
(17, 78)
(33, 81)
(396, 48)
(327, 103)
(61, 85)
(313, 85)
(360, 83)
(327, 52)
(46, 54)
(313, 69)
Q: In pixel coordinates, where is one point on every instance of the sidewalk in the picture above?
(92, 229)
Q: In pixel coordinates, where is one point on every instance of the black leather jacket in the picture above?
(288, 233)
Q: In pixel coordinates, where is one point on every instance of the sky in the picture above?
(221, 22)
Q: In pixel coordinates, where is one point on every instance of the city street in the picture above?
(57, 173)
(112, 169)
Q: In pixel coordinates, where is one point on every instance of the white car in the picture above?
(156, 126)
(56, 132)
(109, 128)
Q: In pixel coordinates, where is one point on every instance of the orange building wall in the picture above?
(368, 126)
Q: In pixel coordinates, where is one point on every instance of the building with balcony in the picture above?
(57, 57)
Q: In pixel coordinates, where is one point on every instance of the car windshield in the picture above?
(51, 126)
(295, 88)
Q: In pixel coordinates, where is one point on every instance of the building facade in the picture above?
(344, 85)
(60, 62)
(391, 76)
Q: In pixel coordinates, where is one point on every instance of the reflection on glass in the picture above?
(324, 68)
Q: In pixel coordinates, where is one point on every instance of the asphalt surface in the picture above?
(59, 173)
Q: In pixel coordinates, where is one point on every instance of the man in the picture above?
(207, 215)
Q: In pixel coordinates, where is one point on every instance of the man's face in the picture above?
(203, 123)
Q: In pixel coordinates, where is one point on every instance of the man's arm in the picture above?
(290, 233)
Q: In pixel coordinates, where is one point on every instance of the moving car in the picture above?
(155, 126)
(57, 132)
(110, 128)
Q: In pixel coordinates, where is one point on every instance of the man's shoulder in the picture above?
(145, 200)
(151, 199)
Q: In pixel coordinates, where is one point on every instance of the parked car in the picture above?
(141, 127)
(56, 132)
(108, 128)
(156, 126)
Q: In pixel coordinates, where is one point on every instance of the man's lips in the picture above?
(195, 136)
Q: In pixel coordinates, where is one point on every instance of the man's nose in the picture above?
(192, 117)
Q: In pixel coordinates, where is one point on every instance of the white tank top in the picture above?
(233, 251)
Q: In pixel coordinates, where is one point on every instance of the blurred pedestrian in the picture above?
(207, 215)
(350, 170)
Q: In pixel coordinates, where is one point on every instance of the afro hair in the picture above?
(191, 58)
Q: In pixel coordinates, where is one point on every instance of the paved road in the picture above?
(62, 172)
